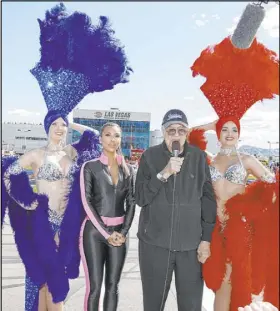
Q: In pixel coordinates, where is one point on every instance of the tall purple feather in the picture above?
(88, 56)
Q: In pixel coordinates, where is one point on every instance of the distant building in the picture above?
(135, 126)
(156, 137)
(22, 137)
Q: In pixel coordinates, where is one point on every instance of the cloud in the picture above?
(271, 21)
(203, 19)
(259, 125)
(189, 97)
(234, 24)
(200, 23)
(216, 16)
(23, 113)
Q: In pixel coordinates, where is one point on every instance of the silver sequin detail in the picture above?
(227, 151)
(55, 218)
(51, 172)
(235, 174)
(269, 178)
(61, 87)
(14, 168)
(31, 293)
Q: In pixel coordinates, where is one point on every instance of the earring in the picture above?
(219, 144)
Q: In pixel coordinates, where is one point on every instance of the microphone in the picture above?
(175, 152)
(248, 26)
(175, 148)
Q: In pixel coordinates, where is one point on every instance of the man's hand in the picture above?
(258, 306)
(116, 239)
(203, 251)
(173, 167)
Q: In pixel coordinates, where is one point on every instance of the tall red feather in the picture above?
(237, 78)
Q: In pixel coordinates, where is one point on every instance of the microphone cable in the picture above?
(170, 242)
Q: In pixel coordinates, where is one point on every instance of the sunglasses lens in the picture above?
(171, 132)
(182, 132)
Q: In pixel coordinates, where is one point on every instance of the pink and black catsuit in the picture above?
(109, 208)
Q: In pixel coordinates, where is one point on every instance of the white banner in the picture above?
(111, 115)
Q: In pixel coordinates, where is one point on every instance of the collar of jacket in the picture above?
(169, 154)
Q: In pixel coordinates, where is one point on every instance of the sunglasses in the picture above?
(181, 132)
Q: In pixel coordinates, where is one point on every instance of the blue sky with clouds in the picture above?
(162, 40)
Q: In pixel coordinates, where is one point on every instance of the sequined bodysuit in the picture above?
(50, 180)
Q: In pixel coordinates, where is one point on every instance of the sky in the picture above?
(161, 39)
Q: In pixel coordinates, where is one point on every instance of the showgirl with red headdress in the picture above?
(245, 243)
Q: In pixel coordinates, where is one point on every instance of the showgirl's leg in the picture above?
(53, 306)
(43, 299)
(223, 294)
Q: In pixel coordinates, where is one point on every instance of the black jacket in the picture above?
(105, 199)
(195, 209)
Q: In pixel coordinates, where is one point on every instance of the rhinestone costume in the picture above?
(51, 172)
(235, 174)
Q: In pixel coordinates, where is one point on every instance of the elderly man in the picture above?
(177, 217)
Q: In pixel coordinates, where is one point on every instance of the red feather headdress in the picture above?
(236, 79)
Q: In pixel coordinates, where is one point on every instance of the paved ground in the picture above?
(130, 285)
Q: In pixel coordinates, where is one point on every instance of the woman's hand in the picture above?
(116, 239)
(259, 306)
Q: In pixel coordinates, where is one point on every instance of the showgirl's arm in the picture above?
(88, 140)
(81, 128)
(256, 168)
(205, 127)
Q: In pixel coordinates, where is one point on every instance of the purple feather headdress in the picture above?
(77, 58)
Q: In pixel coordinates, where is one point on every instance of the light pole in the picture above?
(131, 139)
(269, 144)
(24, 131)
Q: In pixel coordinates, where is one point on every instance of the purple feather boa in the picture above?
(32, 230)
(5, 200)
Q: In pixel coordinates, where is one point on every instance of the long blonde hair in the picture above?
(119, 151)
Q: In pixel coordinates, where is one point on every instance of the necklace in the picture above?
(227, 151)
(52, 148)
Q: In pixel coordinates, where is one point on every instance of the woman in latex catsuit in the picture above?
(107, 189)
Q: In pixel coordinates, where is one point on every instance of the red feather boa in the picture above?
(197, 138)
(252, 246)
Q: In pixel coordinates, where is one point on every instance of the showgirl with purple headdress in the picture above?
(77, 58)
